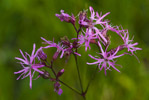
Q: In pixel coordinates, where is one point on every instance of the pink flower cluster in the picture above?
(88, 33)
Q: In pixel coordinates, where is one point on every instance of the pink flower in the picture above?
(60, 48)
(66, 17)
(95, 19)
(86, 39)
(124, 34)
(107, 59)
(29, 66)
(128, 43)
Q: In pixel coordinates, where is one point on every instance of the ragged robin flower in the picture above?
(106, 60)
(29, 65)
(61, 48)
(66, 17)
(90, 24)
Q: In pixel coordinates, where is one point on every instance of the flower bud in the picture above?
(66, 17)
(55, 55)
(60, 73)
(73, 20)
(65, 41)
(82, 15)
(42, 55)
(57, 88)
(83, 18)
(46, 75)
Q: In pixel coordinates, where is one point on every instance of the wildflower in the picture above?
(70, 48)
(95, 19)
(107, 59)
(83, 18)
(128, 43)
(66, 17)
(29, 65)
(86, 39)
(60, 48)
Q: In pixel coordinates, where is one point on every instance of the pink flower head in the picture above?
(95, 19)
(86, 39)
(66, 17)
(124, 34)
(129, 45)
(60, 48)
(29, 65)
(107, 59)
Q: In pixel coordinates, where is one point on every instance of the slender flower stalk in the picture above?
(57, 79)
(76, 59)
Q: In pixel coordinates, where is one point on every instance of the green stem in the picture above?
(93, 76)
(78, 73)
(70, 87)
(77, 60)
(51, 67)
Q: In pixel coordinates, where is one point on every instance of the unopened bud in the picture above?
(46, 75)
(65, 17)
(60, 73)
(55, 55)
(83, 18)
(42, 55)
(82, 15)
(65, 41)
(57, 88)
(73, 20)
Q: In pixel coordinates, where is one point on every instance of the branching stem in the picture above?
(89, 83)
(51, 67)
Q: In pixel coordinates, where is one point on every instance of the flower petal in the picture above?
(24, 61)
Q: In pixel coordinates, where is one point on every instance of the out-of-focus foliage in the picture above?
(23, 22)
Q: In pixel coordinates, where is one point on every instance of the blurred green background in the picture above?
(23, 22)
